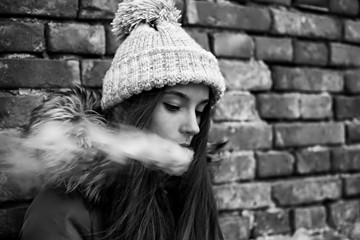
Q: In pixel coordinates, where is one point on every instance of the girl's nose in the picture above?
(190, 125)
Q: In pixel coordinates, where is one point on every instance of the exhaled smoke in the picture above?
(57, 142)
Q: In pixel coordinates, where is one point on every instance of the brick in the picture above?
(278, 106)
(343, 214)
(76, 38)
(237, 106)
(11, 221)
(38, 73)
(280, 2)
(274, 164)
(306, 25)
(18, 187)
(344, 55)
(243, 136)
(345, 7)
(352, 81)
(310, 53)
(15, 111)
(235, 227)
(227, 15)
(305, 134)
(243, 196)
(347, 107)
(200, 37)
(22, 37)
(111, 42)
(305, 191)
(353, 132)
(321, 5)
(233, 45)
(94, 9)
(246, 75)
(93, 72)
(274, 49)
(312, 160)
(310, 217)
(315, 106)
(235, 166)
(352, 31)
(307, 79)
(53, 8)
(351, 185)
(271, 222)
(346, 159)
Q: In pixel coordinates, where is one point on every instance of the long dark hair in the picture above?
(149, 204)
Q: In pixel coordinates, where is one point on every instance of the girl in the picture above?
(162, 83)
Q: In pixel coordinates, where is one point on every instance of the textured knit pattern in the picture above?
(154, 57)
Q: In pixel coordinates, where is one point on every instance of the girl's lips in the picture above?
(185, 145)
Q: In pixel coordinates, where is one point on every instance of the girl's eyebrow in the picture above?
(184, 96)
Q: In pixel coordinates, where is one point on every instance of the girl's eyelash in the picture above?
(171, 107)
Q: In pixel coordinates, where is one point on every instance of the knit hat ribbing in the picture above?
(154, 52)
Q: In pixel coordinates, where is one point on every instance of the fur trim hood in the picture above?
(68, 158)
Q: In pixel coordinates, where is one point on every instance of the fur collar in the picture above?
(81, 168)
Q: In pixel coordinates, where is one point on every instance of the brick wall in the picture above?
(291, 109)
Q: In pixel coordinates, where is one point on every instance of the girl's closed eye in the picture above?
(171, 107)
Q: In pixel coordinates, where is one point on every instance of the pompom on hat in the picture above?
(154, 52)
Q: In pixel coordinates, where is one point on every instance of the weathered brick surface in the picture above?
(15, 111)
(21, 37)
(201, 38)
(307, 79)
(238, 106)
(315, 106)
(310, 217)
(247, 75)
(312, 160)
(346, 7)
(346, 159)
(243, 136)
(227, 15)
(93, 71)
(274, 164)
(304, 134)
(18, 187)
(271, 222)
(280, 2)
(94, 9)
(53, 8)
(236, 166)
(352, 132)
(278, 106)
(352, 185)
(38, 73)
(233, 45)
(352, 31)
(312, 4)
(11, 221)
(347, 107)
(343, 214)
(111, 42)
(312, 53)
(243, 196)
(344, 55)
(235, 227)
(76, 38)
(307, 25)
(274, 49)
(308, 190)
(352, 81)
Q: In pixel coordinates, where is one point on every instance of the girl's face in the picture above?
(177, 115)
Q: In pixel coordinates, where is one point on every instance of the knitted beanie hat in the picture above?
(154, 52)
